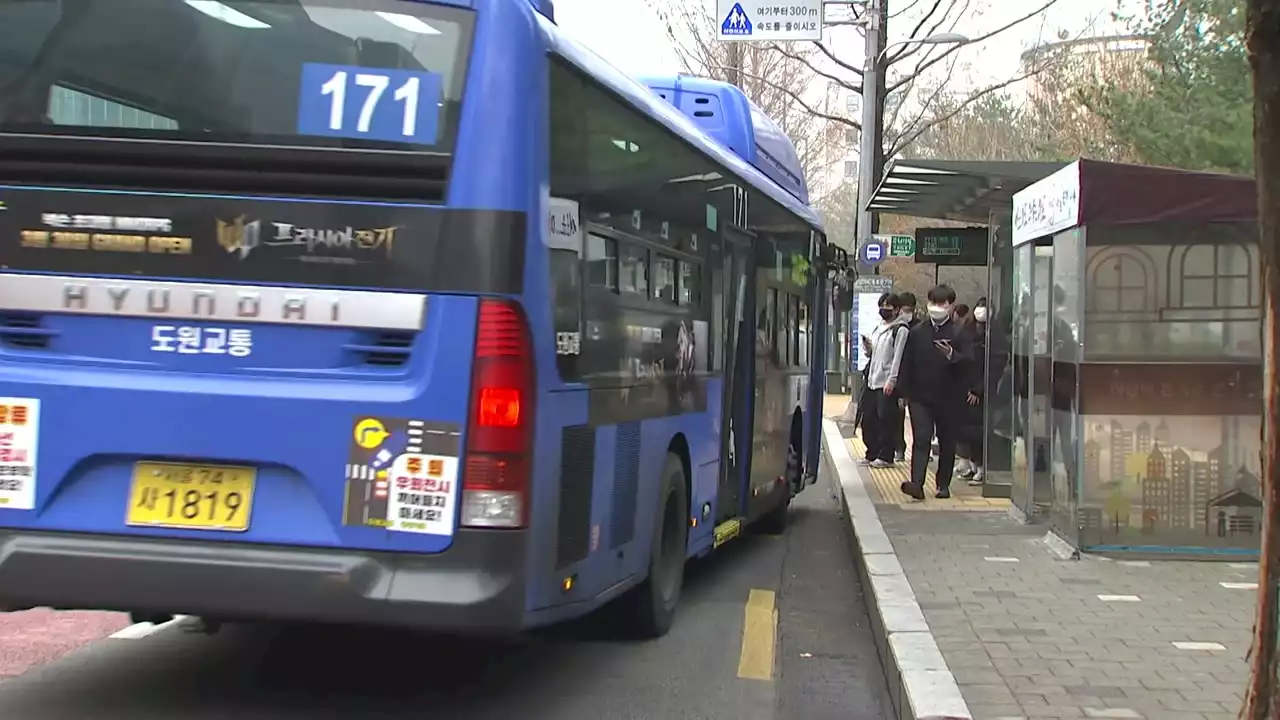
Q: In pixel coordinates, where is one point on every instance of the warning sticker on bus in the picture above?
(19, 436)
(402, 475)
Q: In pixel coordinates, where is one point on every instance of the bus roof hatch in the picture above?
(725, 113)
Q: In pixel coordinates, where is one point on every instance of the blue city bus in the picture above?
(384, 312)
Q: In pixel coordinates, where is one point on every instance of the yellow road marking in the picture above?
(759, 631)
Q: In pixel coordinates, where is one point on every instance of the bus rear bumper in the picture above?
(475, 587)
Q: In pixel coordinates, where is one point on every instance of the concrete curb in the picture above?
(920, 684)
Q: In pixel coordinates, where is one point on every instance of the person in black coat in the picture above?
(934, 378)
(973, 430)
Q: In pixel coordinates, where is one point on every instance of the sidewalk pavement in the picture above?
(979, 616)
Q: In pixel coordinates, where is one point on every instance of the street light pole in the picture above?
(870, 143)
(871, 147)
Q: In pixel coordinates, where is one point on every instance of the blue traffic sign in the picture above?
(872, 253)
(736, 22)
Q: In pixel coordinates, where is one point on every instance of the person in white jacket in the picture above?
(881, 411)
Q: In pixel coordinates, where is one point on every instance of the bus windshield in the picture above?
(386, 75)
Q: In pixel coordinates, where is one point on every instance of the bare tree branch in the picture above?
(815, 70)
(946, 23)
(926, 107)
(915, 31)
(906, 89)
(906, 139)
(832, 57)
(776, 77)
(910, 6)
(801, 101)
(954, 48)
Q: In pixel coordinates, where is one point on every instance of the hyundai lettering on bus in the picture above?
(386, 312)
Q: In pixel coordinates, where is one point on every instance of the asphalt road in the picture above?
(771, 628)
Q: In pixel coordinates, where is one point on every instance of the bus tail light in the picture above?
(495, 485)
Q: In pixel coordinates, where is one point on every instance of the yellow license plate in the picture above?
(192, 497)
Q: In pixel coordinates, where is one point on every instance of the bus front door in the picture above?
(739, 358)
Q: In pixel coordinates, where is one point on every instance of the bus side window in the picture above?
(566, 164)
(634, 270)
(664, 278)
(792, 329)
(785, 319)
(768, 327)
(567, 310)
(602, 262)
(690, 284)
(804, 334)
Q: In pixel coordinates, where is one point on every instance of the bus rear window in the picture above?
(385, 75)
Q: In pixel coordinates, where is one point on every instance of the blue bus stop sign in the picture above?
(872, 253)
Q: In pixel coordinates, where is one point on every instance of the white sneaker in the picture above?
(978, 476)
(899, 457)
(963, 467)
(880, 464)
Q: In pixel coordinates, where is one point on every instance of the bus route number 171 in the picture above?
(364, 103)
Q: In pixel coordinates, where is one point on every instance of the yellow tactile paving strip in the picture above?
(888, 482)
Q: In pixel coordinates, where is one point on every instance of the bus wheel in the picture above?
(652, 605)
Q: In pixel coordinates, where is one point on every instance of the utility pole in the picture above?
(1262, 697)
(870, 161)
(871, 138)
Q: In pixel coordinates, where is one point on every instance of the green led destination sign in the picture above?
(952, 246)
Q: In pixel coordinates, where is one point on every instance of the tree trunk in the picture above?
(1262, 701)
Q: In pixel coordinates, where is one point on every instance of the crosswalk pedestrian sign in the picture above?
(736, 22)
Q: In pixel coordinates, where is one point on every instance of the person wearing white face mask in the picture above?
(909, 316)
(973, 428)
(934, 378)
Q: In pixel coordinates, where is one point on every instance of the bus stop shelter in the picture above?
(1135, 397)
(977, 192)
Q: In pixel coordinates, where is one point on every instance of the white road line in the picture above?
(1112, 713)
(1119, 598)
(1239, 585)
(1199, 646)
(999, 559)
(141, 630)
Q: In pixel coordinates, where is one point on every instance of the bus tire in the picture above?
(650, 607)
(774, 522)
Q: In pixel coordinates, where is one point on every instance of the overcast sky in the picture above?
(628, 34)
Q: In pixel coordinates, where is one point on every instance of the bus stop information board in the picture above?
(952, 246)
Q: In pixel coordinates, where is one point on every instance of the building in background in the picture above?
(1112, 59)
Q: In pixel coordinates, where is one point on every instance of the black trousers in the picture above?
(972, 433)
(930, 419)
(881, 419)
(975, 449)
